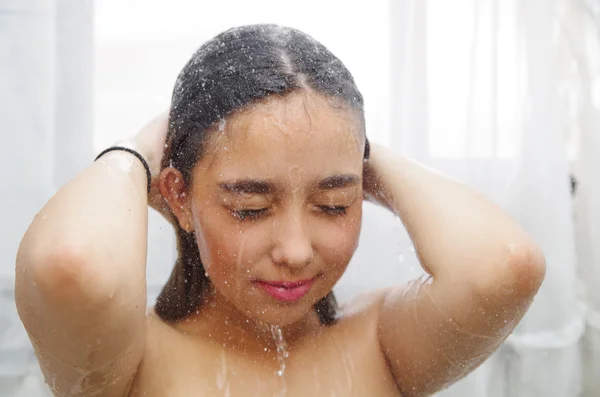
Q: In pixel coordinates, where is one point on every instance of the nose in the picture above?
(292, 245)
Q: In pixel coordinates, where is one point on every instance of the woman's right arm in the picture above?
(80, 282)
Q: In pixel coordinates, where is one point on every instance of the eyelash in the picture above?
(252, 214)
(257, 213)
(337, 210)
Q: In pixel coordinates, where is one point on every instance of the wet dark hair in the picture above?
(234, 70)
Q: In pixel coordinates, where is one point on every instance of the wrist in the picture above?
(143, 150)
(134, 145)
(124, 148)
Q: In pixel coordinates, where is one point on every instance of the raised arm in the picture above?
(482, 269)
(80, 275)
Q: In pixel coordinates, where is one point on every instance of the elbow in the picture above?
(61, 273)
(519, 274)
(526, 267)
(62, 269)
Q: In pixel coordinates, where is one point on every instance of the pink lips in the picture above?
(286, 291)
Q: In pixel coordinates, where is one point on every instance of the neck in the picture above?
(219, 321)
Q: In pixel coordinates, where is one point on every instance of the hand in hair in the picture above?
(150, 143)
(371, 184)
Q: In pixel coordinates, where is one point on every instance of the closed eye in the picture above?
(257, 213)
(333, 210)
(249, 214)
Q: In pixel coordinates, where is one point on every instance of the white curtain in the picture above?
(46, 128)
(491, 92)
(490, 101)
(584, 39)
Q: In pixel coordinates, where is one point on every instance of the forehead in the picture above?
(300, 129)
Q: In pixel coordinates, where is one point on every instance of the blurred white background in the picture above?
(502, 95)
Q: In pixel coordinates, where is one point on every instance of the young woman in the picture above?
(262, 167)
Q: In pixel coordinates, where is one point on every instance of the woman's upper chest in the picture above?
(344, 360)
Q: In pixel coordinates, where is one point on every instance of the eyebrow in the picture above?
(248, 186)
(339, 181)
(255, 186)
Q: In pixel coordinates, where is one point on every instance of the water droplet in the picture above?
(282, 354)
(222, 375)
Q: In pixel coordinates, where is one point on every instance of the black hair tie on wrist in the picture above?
(136, 154)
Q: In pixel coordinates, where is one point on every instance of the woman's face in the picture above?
(276, 204)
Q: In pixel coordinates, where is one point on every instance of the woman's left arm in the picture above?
(483, 272)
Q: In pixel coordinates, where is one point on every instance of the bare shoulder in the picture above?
(173, 357)
(364, 306)
(359, 320)
(165, 357)
(162, 339)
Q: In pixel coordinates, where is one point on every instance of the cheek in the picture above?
(226, 249)
(337, 241)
